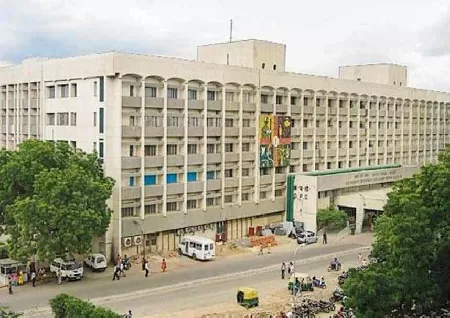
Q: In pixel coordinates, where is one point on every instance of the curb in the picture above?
(197, 282)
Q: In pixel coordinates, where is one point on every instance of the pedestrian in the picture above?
(163, 265)
(122, 272)
(129, 315)
(118, 259)
(269, 246)
(33, 278)
(143, 263)
(324, 236)
(261, 249)
(283, 268)
(146, 268)
(116, 272)
(289, 269)
(10, 285)
(292, 268)
(360, 259)
(59, 276)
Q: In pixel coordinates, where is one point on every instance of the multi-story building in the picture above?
(205, 146)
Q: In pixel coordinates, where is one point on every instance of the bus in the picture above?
(197, 247)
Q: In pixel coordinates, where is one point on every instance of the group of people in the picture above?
(290, 269)
(121, 263)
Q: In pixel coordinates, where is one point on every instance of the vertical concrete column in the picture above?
(431, 159)
(29, 112)
(314, 131)
(325, 154)
(7, 123)
(302, 113)
(358, 129)
(274, 114)
(425, 127)
(338, 137)
(257, 158)
(186, 143)
(164, 152)
(402, 138)
(418, 133)
(204, 93)
(349, 117)
(222, 204)
(241, 115)
(438, 130)
(359, 217)
(142, 123)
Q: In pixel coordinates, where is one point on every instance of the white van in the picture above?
(70, 270)
(197, 247)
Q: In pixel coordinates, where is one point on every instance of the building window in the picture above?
(211, 95)
(152, 121)
(63, 119)
(150, 92)
(279, 170)
(191, 204)
(73, 119)
(328, 165)
(245, 122)
(172, 93)
(210, 201)
(95, 119)
(131, 151)
(171, 206)
(229, 96)
(262, 194)
(64, 91)
(228, 173)
(101, 149)
(244, 197)
(171, 178)
(102, 89)
(131, 182)
(229, 122)
(228, 147)
(293, 100)
(279, 193)
(210, 175)
(192, 176)
(264, 99)
(245, 172)
(73, 90)
(51, 119)
(305, 123)
(149, 180)
(172, 150)
(128, 212)
(150, 150)
(173, 121)
(94, 88)
(228, 198)
(247, 98)
(192, 94)
(51, 92)
(193, 121)
(245, 146)
(150, 209)
(101, 128)
(210, 148)
(192, 149)
(132, 121)
(279, 100)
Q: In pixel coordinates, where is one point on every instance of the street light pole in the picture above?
(295, 268)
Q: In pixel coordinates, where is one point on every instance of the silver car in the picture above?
(307, 237)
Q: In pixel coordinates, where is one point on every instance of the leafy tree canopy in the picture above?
(65, 306)
(413, 238)
(52, 199)
(331, 218)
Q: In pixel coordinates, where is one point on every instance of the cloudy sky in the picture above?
(320, 34)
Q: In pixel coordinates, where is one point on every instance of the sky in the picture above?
(320, 35)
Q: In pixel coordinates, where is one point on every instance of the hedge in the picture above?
(65, 306)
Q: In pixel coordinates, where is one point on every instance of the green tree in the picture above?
(331, 218)
(5, 313)
(52, 199)
(65, 306)
(413, 238)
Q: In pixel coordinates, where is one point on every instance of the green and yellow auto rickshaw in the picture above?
(306, 282)
(247, 297)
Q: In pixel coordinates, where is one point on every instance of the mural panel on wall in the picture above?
(275, 141)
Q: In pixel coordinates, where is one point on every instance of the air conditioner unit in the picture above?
(205, 227)
(200, 228)
(126, 241)
(138, 240)
(180, 232)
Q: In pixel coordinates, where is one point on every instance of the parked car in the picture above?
(96, 262)
(307, 237)
(70, 269)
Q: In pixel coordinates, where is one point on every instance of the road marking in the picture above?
(197, 282)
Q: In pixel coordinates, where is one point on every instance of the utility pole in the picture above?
(231, 30)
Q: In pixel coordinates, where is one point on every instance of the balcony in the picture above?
(308, 110)
(196, 104)
(353, 131)
(332, 111)
(175, 161)
(280, 178)
(249, 107)
(296, 131)
(248, 181)
(320, 110)
(153, 102)
(154, 162)
(248, 131)
(343, 131)
(363, 112)
(295, 154)
(131, 162)
(214, 131)
(175, 103)
(353, 151)
(342, 152)
(266, 108)
(131, 131)
(232, 106)
(398, 113)
(214, 158)
(308, 153)
(195, 131)
(320, 131)
(390, 113)
(215, 184)
(154, 131)
(232, 131)
(131, 101)
(406, 113)
(380, 132)
(196, 159)
(25, 103)
(130, 193)
(373, 112)
(398, 131)
(154, 190)
(295, 109)
(231, 157)
(196, 186)
(308, 131)
(215, 105)
(175, 188)
(175, 131)
(354, 111)
(282, 109)
(266, 179)
(231, 182)
(248, 156)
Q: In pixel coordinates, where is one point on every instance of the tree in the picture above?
(52, 199)
(331, 218)
(413, 239)
(65, 306)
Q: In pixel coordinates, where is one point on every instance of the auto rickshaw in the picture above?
(247, 297)
(305, 281)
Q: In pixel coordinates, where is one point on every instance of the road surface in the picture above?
(27, 297)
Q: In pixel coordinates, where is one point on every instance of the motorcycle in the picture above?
(334, 267)
(126, 264)
(342, 278)
(337, 297)
(319, 284)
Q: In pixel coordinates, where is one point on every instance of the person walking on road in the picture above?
(116, 272)
(269, 247)
(33, 278)
(59, 276)
(122, 272)
(10, 285)
(324, 236)
(129, 315)
(261, 249)
(146, 268)
(163, 265)
(283, 269)
(360, 259)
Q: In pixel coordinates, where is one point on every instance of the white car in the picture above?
(96, 261)
(70, 270)
(307, 237)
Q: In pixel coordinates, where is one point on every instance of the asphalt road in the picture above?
(27, 297)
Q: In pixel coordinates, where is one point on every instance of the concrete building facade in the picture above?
(186, 140)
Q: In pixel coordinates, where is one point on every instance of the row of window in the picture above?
(71, 90)
(173, 150)
(62, 119)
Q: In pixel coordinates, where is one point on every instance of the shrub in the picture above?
(331, 218)
(65, 306)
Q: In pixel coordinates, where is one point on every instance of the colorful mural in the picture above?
(275, 141)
